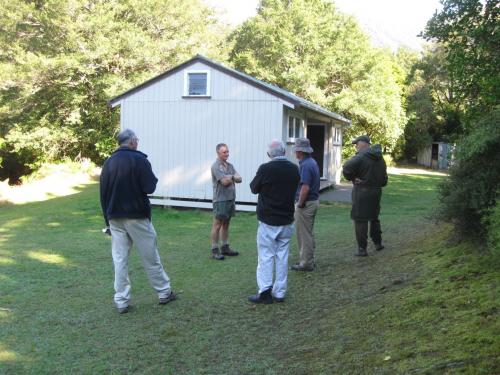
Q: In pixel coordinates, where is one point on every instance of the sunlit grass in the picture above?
(46, 257)
(5, 260)
(60, 181)
(7, 355)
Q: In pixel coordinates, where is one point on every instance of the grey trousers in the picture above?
(124, 233)
(304, 224)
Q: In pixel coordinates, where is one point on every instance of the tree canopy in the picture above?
(61, 60)
(315, 51)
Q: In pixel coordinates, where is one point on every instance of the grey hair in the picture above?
(125, 136)
(276, 148)
(219, 146)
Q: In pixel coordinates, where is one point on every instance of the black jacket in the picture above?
(276, 183)
(126, 180)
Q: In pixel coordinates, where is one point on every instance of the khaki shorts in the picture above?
(224, 210)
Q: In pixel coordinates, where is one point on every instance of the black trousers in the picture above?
(361, 228)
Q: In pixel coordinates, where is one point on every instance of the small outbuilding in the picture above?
(437, 155)
(183, 113)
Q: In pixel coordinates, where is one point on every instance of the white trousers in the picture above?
(273, 244)
(124, 233)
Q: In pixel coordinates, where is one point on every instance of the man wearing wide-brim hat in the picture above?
(307, 204)
(368, 173)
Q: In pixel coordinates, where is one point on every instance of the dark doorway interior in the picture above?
(316, 135)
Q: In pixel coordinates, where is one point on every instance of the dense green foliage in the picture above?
(61, 60)
(468, 32)
(468, 29)
(433, 108)
(313, 50)
(469, 194)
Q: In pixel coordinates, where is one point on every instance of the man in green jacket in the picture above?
(368, 173)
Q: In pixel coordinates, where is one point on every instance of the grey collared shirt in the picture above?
(221, 192)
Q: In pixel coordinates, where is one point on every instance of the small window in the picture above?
(336, 135)
(294, 126)
(197, 83)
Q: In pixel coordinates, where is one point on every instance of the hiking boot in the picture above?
(226, 250)
(361, 252)
(265, 297)
(171, 297)
(216, 254)
(299, 267)
(379, 246)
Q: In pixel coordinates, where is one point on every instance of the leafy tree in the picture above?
(61, 60)
(433, 108)
(468, 30)
(313, 50)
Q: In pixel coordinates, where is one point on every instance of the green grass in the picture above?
(417, 307)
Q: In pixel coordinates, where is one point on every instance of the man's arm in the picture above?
(304, 190)
(147, 178)
(256, 183)
(103, 185)
(350, 168)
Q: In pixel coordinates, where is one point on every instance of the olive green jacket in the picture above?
(368, 173)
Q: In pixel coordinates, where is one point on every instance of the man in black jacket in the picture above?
(276, 183)
(126, 180)
(368, 173)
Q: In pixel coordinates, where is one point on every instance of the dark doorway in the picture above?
(316, 135)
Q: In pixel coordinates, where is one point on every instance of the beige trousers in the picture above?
(124, 233)
(304, 224)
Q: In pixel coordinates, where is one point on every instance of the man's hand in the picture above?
(237, 178)
(358, 181)
(106, 231)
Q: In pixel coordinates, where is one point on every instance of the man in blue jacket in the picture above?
(126, 180)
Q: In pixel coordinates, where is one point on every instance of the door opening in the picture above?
(316, 135)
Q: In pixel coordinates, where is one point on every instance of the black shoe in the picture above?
(123, 310)
(265, 298)
(226, 250)
(171, 297)
(298, 267)
(379, 246)
(279, 299)
(216, 254)
(361, 252)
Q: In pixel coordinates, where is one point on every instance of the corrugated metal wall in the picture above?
(180, 134)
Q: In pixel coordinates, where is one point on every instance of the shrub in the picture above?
(493, 225)
(467, 197)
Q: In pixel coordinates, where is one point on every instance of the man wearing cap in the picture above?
(125, 182)
(307, 204)
(368, 173)
(224, 177)
(276, 183)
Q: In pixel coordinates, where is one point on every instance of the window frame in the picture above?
(187, 81)
(296, 119)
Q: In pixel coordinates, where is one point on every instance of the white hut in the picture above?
(182, 114)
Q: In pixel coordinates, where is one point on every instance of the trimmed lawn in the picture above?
(419, 306)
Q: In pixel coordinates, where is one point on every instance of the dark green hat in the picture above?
(363, 138)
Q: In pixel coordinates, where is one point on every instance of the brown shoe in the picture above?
(226, 250)
(216, 254)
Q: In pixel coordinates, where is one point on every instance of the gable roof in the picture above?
(297, 101)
